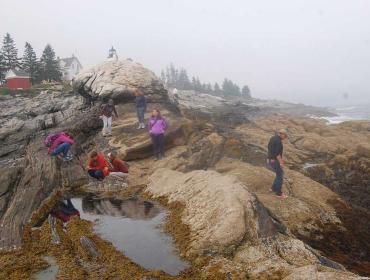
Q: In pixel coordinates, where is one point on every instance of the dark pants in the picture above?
(278, 182)
(158, 145)
(61, 149)
(97, 174)
(140, 114)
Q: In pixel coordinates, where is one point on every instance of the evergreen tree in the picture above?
(2, 69)
(246, 92)
(9, 53)
(29, 62)
(209, 88)
(163, 77)
(168, 76)
(229, 88)
(217, 88)
(50, 69)
(183, 81)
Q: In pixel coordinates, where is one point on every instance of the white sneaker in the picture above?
(139, 127)
(143, 125)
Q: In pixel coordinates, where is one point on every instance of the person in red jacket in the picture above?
(98, 167)
(117, 168)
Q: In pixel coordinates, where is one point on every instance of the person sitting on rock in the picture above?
(107, 111)
(117, 168)
(65, 210)
(59, 144)
(98, 167)
(140, 107)
(157, 127)
(275, 161)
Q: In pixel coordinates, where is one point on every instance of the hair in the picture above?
(159, 113)
(113, 153)
(93, 154)
(139, 91)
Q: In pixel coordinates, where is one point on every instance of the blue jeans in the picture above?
(278, 182)
(61, 149)
(97, 174)
(140, 113)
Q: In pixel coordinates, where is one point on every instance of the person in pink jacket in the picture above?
(61, 145)
(157, 127)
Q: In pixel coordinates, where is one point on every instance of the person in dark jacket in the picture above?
(140, 107)
(107, 111)
(275, 161)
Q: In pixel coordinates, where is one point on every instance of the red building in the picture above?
(17, 79)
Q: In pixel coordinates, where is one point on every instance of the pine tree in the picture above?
(163, 77)
(2, 69)
(217, 88)
(246, 92)
(50, 69)
(29, 62)
(9, 53)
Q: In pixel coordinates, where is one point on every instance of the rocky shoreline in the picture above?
(213, 180)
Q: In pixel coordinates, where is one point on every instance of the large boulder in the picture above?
(119, 80)
(226, 220)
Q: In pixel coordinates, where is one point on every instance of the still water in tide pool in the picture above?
(135, 228)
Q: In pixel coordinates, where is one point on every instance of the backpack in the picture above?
(48, 141)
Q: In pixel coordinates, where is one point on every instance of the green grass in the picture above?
(36, 89)
(13, 92)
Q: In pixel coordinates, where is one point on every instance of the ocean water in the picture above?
(350, 113)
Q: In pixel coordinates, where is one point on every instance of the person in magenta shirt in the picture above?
(157, 127)
(61, 145)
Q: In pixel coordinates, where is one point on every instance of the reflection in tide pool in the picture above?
(133, 227)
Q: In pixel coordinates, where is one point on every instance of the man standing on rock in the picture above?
(107, 111)
(275, 160)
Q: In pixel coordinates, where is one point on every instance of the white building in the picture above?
(70, 67)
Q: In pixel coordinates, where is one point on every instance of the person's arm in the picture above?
(164, 124)
(115, 112)
(89, 165)
(69, 140)
(281, 161)
(102, 109)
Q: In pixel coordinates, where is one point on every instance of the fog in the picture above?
(297, 50)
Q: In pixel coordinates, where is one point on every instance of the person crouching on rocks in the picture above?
(97, 166)
(59, 144)
(157, 127)
(140, 107)
(107, 111)
(117, 168)
(275, 161)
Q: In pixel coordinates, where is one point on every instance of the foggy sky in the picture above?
(310, 51)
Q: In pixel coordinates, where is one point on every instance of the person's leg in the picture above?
(97, 174)
(161, 145)
(142, 113)
(62, 148)
(273, 167)
(138, 117)
(155, 144)
(279, 174)
(109, 123)
(105, 125)
(279, 181)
